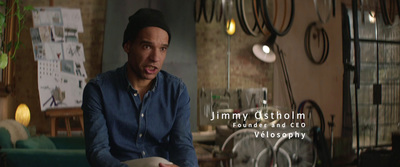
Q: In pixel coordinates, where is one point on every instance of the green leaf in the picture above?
(2, 19)
(3, 60)
(2, 3)
(28, 8)
(17, 44)
(19, 16)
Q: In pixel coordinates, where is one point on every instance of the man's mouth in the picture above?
(150, 69)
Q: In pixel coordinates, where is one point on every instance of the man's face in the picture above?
(146, 53)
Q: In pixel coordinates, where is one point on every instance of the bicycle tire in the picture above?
(232, 137)
(295, 155)
(218, 10)
(286, 155)
(318, 110)
(259, 19)
(247, 150)
(241, 17)
(241, 11)
(269, 24)
(197, 10)
(388, 15)
(307, 45)
(208, 18)
(323, 20)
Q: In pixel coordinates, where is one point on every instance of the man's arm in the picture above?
(181, 150)
(96, 134)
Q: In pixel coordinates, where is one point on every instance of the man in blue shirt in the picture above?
(138, 110)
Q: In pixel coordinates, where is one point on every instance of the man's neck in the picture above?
(141, 85)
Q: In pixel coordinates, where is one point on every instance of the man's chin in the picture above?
(149, 76)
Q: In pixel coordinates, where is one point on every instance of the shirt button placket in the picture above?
(142, 126)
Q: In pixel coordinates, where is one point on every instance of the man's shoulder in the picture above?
(107, 77)
(170, 78)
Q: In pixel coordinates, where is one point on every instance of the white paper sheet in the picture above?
(72, 18)
(58, 89)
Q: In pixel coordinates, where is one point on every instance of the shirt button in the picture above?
(143, 153)
(142, 115)
(140, 135)
(135, 94)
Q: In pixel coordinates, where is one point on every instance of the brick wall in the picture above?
(246, 71)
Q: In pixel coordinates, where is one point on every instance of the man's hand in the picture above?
(167, 165)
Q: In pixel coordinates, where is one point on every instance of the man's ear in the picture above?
(127, 46)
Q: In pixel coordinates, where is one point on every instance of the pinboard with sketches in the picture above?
(59, 55)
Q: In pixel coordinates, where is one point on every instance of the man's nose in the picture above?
(156, 55)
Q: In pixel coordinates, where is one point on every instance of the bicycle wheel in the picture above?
(388, 11)
(246, 147)
(262, 158)
(302, 152)
(254, 117)
(316, 36)
(257, 8)
(313, 114)
(208, 10)
(219, 10)
(197, 10)
(248, 24)
(268, 21)
(323, 9)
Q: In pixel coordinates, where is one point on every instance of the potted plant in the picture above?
(11, 13)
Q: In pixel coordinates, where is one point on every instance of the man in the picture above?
(138, 110)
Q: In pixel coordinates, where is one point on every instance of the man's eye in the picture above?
(164, 48)
(146, 46)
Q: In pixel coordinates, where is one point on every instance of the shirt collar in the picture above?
(128, 84)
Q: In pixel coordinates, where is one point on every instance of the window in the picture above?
(378, 95)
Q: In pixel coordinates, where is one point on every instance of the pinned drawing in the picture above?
(48, 51)
(73, 51)
(47, 16)
(57, 33)
(57, 96)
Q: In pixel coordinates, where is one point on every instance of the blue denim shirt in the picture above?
(120, 127)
